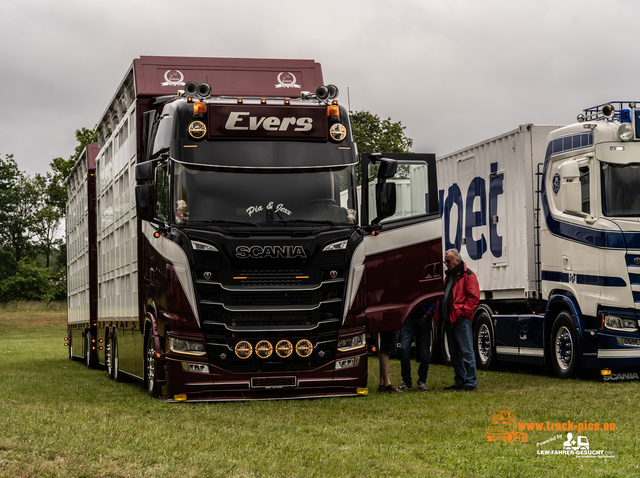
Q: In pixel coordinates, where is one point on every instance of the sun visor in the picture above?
(618, 152)
(237, 77)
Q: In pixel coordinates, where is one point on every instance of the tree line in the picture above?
(32, 208)
(32, 246)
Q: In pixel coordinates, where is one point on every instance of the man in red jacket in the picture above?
(461, 297)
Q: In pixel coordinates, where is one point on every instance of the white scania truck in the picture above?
(549, 219)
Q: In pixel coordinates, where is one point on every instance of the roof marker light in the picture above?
(263, 101)
(199, 108)
(625, 116)
(287, 101)
(240, 101)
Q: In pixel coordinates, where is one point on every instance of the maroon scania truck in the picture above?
(216, 246)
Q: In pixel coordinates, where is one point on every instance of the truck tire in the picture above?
(564, 347)
(150, 365)
(483, 342)
(88, 356)
(113, 359)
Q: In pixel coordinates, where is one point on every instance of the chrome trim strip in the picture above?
(532, 351)
(632, 353)
(307, 380)
(278, 308)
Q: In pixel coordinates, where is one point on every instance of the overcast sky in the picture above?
(454, 72)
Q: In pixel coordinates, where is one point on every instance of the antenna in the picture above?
(348, 99)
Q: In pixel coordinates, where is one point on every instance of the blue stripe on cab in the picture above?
(583, 279)
(573, 232)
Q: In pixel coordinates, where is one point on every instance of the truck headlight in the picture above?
(338, 132)
(201, 246)
(352, 343)
(620, 324)
(186, 347)
(336, 246)
(625, 132)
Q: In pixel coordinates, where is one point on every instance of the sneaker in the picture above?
(470, 388)
(422, 386)
(454, 387)
(404, 386)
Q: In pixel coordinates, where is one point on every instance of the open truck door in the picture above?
(400, 260)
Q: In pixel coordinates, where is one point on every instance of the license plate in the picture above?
(273, 382)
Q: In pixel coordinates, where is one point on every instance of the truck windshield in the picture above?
(263, 197)
(620, 189)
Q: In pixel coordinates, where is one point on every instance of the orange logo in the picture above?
(504, 427)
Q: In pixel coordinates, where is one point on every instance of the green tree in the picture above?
(57, 187)
(372, 134)
(48, 218)
(31, 282)
(19, 196)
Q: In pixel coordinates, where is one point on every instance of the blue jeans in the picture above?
(463, 359)
(417, 326)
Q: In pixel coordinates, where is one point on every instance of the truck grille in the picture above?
(270, 319)
(257, 298)
(209, 259)
(253, 305)
(329, 259)
(258, 278)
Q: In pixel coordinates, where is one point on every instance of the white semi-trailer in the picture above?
(549, 219)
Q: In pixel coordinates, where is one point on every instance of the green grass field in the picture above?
(59, 419)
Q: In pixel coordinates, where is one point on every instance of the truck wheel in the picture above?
(113, 359)
(483, 341)
(564, 347)
(150, 366)
(88, 360)
(444, 347)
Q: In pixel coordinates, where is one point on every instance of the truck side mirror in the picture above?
(571, 189)
(385, 201)
(388, 167)
(144, 171)
(145, 201)
(145, 192)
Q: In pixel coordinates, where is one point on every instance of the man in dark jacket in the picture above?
(419, 326)
(455, 311)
